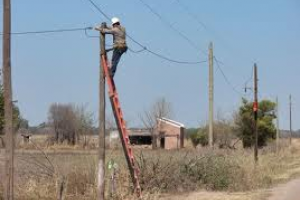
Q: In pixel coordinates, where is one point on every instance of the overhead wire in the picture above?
(162, 56)
(130, 49)
(85, 29)
(226, 78)
(185, 37)
(202, 24)
(50, 31)
(192, 15)
(137, 51)
(248, 80)
(143, 47)
(171, 26)
(99, 9)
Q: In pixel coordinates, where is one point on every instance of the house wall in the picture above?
(173, 135)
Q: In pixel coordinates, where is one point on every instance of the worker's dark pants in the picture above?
(117, 53)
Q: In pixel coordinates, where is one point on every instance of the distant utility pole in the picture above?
(255, 110)
(277, 124)
(211, 95)
(101, 165)
(8, 115)
(291, 128)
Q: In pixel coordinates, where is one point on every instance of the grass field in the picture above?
(217, 174)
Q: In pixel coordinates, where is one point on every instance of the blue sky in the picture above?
(64, 67)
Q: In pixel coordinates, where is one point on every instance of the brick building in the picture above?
(137, 136)
(169, 134)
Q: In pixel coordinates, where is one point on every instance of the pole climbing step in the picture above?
(116, 107)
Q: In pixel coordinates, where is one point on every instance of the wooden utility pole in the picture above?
(101, 164)
(291, 128)
(8, 113)
(255, 110)
(211, 95)
(277, 124)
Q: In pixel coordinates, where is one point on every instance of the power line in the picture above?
(160, 17)
(137, 51)
(192, 15)
(130, 49)
(49, 31)
(202, 24)
(91, 36)
(99, 9)
(144, 48)
(226, 78)
(162, 56)
(251, 77)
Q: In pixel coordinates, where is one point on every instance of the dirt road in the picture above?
(289, 191)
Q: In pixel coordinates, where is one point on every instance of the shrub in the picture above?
(199, 137)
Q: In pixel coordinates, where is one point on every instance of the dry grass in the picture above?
(162, 173)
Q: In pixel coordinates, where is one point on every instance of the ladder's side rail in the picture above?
(124, 145)
(106, 72)
(121, 127)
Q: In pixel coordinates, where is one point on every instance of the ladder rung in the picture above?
(111, 94)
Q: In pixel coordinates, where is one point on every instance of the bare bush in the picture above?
(69, 122)
(187, 172)
(224, 135)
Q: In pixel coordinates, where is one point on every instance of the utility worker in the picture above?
(119, 39)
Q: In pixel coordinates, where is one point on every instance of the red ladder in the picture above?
(116, 107)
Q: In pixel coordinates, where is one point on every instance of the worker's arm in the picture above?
(108, 30)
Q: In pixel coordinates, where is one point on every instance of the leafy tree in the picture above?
(189, 132)
(17, 119)
(245, 123)
(199, 137)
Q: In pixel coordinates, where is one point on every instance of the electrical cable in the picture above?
(226, 78)
(160, 17)
(203, 25)
(193, 15)
(137, 51)
(49, 31)
(144, 48)
(99, 9)
(131, 50)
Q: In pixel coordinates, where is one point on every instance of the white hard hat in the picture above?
(115, 20)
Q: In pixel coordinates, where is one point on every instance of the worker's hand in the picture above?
(101, 30)
(97, 28)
